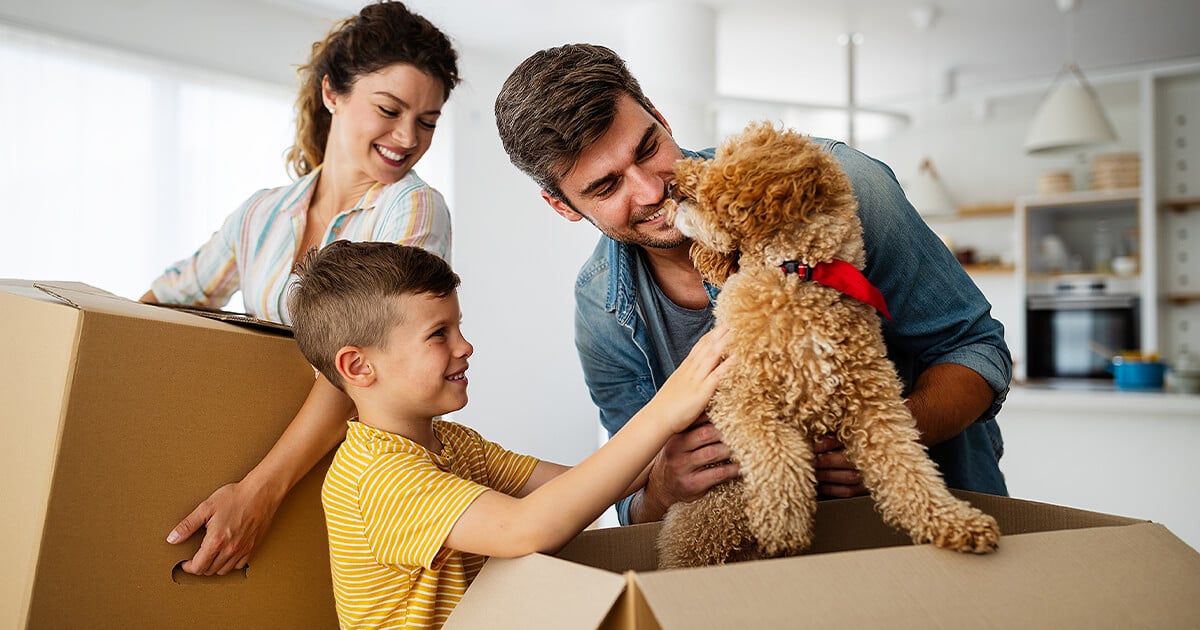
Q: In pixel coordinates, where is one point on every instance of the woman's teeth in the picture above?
(391, 155)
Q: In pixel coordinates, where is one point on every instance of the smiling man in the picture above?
(576, 121)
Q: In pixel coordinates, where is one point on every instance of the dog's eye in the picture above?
(673, 191)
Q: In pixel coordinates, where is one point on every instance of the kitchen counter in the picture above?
(1133, 453)
(1074, 397)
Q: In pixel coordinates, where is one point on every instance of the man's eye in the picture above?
(648, 151)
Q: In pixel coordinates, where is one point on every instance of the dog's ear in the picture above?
(715, 267)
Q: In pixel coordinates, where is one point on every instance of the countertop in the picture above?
(1101, 398)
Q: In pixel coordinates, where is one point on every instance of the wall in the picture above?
(518, 261)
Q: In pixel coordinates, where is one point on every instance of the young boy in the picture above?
(414, 504)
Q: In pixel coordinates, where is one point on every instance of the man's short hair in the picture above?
(556, 104)
(345, 296)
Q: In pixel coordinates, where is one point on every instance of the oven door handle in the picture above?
(1059, 302)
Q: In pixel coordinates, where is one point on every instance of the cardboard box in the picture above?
(118, 419)
(1056, 567)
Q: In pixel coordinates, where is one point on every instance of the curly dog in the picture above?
(774, 222)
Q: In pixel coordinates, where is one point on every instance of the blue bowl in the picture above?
(1138, 374)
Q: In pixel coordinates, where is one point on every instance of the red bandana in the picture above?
(840, 275)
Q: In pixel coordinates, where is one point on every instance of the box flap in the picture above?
(38, 350)
(537, 591)
(87, 298)
(1138, 575)
(615, 549)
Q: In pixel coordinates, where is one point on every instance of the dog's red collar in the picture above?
(840, 275)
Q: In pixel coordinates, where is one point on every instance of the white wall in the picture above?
(518, 261)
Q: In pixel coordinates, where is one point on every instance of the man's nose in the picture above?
(648, 188)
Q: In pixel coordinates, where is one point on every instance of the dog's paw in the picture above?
(975, 532)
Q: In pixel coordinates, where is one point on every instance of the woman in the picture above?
(370, 98)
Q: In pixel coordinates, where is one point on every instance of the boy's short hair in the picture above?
(345, 296)
(556, 104)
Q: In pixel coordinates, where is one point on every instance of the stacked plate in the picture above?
(1116, 170)
(1053, 182)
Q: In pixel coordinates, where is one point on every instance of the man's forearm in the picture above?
(947, 398)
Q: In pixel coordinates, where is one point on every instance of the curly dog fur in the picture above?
(811, 361)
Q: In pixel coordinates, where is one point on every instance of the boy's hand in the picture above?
(687, 392)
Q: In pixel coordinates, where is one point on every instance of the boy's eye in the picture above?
(441, 332)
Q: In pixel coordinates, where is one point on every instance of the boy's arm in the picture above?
(562, 506)
(545, 471)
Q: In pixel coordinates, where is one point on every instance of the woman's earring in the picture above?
(331, 112)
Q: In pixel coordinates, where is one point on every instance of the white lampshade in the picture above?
(1070, 116)
(927, 193)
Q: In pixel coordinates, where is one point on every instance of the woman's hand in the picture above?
(235, 519)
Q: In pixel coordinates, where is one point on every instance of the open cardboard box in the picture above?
(118, 418)
(1056, 567)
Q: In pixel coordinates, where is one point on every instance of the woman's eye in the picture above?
(388, 112)
(427, 124)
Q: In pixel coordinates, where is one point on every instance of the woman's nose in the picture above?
(405, 134)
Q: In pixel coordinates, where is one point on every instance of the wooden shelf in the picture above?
(985, 210)
(1183, 298)
(1180, 204)
(990, 268)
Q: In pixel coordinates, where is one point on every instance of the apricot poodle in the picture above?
(773, 221)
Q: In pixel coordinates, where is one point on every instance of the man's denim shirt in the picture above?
(938, 316)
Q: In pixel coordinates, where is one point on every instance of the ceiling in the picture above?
(973, 45)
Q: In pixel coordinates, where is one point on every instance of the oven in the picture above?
(1073, 324)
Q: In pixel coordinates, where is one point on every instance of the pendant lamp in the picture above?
(927, 193)
(1070, 116)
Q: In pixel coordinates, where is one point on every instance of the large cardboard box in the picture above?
(120, 417)
(1056, 568)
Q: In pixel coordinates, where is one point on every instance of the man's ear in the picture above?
(354, 367)
(565, 211)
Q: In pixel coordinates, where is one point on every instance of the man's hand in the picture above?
(836, 476)
(235, 519)
(688, 465)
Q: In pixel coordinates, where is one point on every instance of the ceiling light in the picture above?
(1070, 116)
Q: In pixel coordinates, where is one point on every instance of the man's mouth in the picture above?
(662, 210)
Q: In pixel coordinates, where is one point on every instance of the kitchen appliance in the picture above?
(1068, 318)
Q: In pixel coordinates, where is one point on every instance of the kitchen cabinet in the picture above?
(1176, 139)
(1070, 297)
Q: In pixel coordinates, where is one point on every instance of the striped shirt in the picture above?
(389, 505)
(256, 249)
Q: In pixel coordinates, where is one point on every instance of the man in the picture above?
(575, 120)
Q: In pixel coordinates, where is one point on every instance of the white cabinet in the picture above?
(1177, 190)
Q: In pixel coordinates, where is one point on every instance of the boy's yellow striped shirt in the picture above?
(389, 505)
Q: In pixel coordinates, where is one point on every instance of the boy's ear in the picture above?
(565, 211)
(354, 367)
